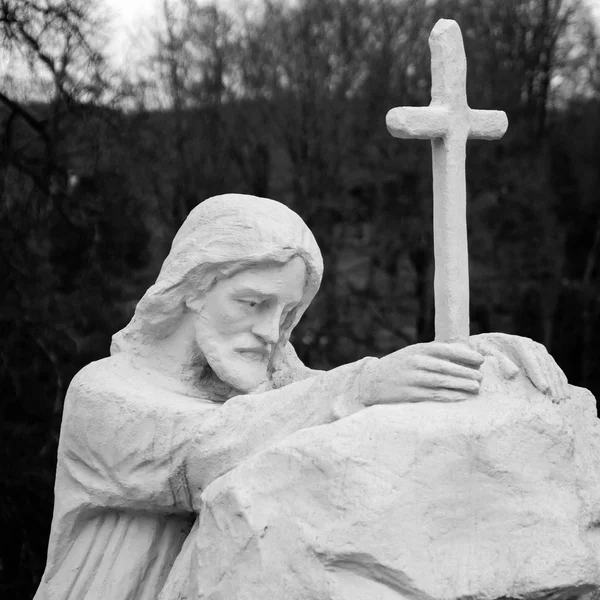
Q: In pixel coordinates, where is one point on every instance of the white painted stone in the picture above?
(202, 378)
(494, 498)
(203, 460)
(187, 469)
(448, 122)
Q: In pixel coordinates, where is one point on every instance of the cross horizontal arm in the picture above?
(420, 123)
(487, 124)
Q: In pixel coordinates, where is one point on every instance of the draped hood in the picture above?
(222, 236)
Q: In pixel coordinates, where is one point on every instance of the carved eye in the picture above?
(249, 303)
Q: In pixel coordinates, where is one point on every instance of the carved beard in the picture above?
(208, 381)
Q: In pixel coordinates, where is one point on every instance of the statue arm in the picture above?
(247, 424)
(124, 448)
(440, 372)
(135, 446)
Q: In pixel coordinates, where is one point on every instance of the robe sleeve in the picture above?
(126, 448)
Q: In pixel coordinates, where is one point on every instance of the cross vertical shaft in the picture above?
(448, 122)
(451, 280)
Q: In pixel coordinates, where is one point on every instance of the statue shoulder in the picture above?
(112, 383)
(109, 374)
(123, 383)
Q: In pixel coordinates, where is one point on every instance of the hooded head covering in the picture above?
(222, 236)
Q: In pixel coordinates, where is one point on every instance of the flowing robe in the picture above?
(133, 460)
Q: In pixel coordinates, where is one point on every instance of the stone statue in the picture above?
(202, 379)
(204, 461)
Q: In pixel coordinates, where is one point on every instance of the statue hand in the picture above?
(514, 352)
(441, 372)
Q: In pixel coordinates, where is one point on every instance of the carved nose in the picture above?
(268, 329)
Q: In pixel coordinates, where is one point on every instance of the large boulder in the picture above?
(498, 497)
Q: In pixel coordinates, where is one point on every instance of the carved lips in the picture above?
(255, 353)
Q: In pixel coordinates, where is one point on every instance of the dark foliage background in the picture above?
(98, 170)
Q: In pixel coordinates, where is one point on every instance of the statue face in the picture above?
(238, 321)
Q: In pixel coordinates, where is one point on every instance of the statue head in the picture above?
(241, 271)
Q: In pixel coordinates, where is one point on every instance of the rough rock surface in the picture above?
(498, 497)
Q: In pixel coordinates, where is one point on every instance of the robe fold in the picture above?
(133, 460)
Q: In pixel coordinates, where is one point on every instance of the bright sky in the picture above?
(132, 22)
(134, 19)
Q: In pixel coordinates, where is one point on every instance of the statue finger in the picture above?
(560, 387)
(456, 352)
(448, 383)
(563, 384)
(508, 369)
(534, 370)
(555, 387)
(447, 367)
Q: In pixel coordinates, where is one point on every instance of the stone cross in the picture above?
(448, 122)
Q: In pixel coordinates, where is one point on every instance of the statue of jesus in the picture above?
(204, 377)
